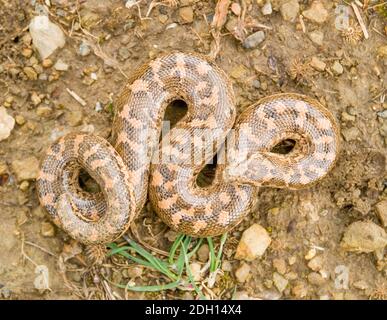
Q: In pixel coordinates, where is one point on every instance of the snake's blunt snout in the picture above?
(307, 127)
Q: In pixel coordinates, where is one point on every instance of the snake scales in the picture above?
(137, 164)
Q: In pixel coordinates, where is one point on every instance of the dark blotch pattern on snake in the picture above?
(136, 166)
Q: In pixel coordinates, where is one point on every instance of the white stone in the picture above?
(253, 243)
(61, 66)
(280, 282)
(46, 36)
(243, 272)
(267, 9)
(7, 123)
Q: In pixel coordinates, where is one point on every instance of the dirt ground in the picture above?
(345, 71)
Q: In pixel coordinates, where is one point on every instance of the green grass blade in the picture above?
(212, 254)
(220, 251)
(174, 247)
(167, 286)
(157, 263)
(195, 249)
(189, 274)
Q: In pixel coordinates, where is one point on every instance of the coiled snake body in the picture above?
(138, 163)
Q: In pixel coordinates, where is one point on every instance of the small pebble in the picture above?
(163, 18)
(26, 168)
(27, 52)
(35, 99)
(267, 9)
(7, 124)
(280, 282)
(243, 272)
(253, 40)
(364, 236)
(236, 8)
(43, 111)
(24, 186)
(195, 271)
(337, 68)
(279, 265)
(171, 26)
(350, 134)
(300, 290)
(47, 230)
(39, 212)
(47, 63)
(292, 260)
(311, 253)
(382, 51)
(30, 73)
(135, 272)
(382, 114)
(346, 117)
(186, 15)
(226, 266)
(289, 10)
(33, 61)
(316, 279)
(20, 120)
(316, 263)
(74, 118)
(241, 295)
(318, 64)
(84, 49)
(3, 168)
(381, 211)
(256, 84)
(43, 77)
(317, 37)
(98, 106)
(5, 293)
(316, 13)
(93, 76)
(61, 66)
(123, 53)
(361, 284)
(8, 102)
(203, 253)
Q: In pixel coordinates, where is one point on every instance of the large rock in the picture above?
(46, 36)
(26, 169)
(253, 244)
(6, 124)
(364, 236)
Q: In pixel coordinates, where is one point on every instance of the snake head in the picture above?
(267, 169)
(256, 170)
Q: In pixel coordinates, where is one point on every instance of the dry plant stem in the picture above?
(39, 247)
(217, 24)
(360, 20)
(136, 236)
